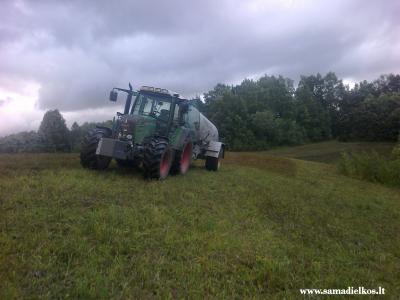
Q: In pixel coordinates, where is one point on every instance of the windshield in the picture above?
(151, 105)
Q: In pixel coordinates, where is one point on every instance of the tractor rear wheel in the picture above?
(157, 159)
(89, 158)
(214, 163)
(182, 160)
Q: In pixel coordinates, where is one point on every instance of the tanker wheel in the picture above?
(157, 159)
(214, 163)
(89, 158)
(182, 160)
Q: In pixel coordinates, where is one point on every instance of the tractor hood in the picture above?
(136, 127)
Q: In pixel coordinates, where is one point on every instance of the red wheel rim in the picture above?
(186, 157)
(164, 165)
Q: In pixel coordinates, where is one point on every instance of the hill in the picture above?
(263, 227)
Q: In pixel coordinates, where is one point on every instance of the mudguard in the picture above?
(180, 137)
(214, 148)
(108, 130)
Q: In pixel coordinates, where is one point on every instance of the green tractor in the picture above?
(160, 131)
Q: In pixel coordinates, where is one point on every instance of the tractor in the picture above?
(158, 131)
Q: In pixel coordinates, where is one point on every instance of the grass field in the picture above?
(330, 152)
(263, 227)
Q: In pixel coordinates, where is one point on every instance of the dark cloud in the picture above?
(77, 50)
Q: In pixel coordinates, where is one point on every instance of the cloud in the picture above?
(76, 51)
(5, 101)
(18, 110)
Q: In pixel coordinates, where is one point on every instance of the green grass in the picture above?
(262, 227)
(372, 167)
(330, 152)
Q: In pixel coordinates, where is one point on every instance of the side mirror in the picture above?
(113, 96)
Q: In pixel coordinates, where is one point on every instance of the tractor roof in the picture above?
(160, 91)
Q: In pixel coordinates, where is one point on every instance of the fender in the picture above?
(180, 137)
(214, 149)
(108, 130)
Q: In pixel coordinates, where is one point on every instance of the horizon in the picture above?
(69, 121)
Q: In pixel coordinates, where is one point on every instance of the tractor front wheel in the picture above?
(157, 159)
(89, 158)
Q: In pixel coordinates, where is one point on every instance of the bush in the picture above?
(372, 167)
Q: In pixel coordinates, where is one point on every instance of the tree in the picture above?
(54, 132)
(313, 112)
(76, 135)
(21, 142)
(255, 115)
(216, 93)
(371, 110)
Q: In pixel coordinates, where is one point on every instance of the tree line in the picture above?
(264, 113)
(271, 111)
(53, 136)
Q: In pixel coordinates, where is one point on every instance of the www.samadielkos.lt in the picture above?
(349, 291)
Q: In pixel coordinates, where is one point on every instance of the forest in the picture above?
(269, 112)
(261, 114)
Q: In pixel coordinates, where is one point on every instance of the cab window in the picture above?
(149, 105)
(176, 113)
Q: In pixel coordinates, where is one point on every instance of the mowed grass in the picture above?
(262, 227)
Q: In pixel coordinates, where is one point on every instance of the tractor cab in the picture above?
(154, 105)
(158, 103)
(154, 111)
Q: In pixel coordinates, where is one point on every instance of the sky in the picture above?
(67, 55)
